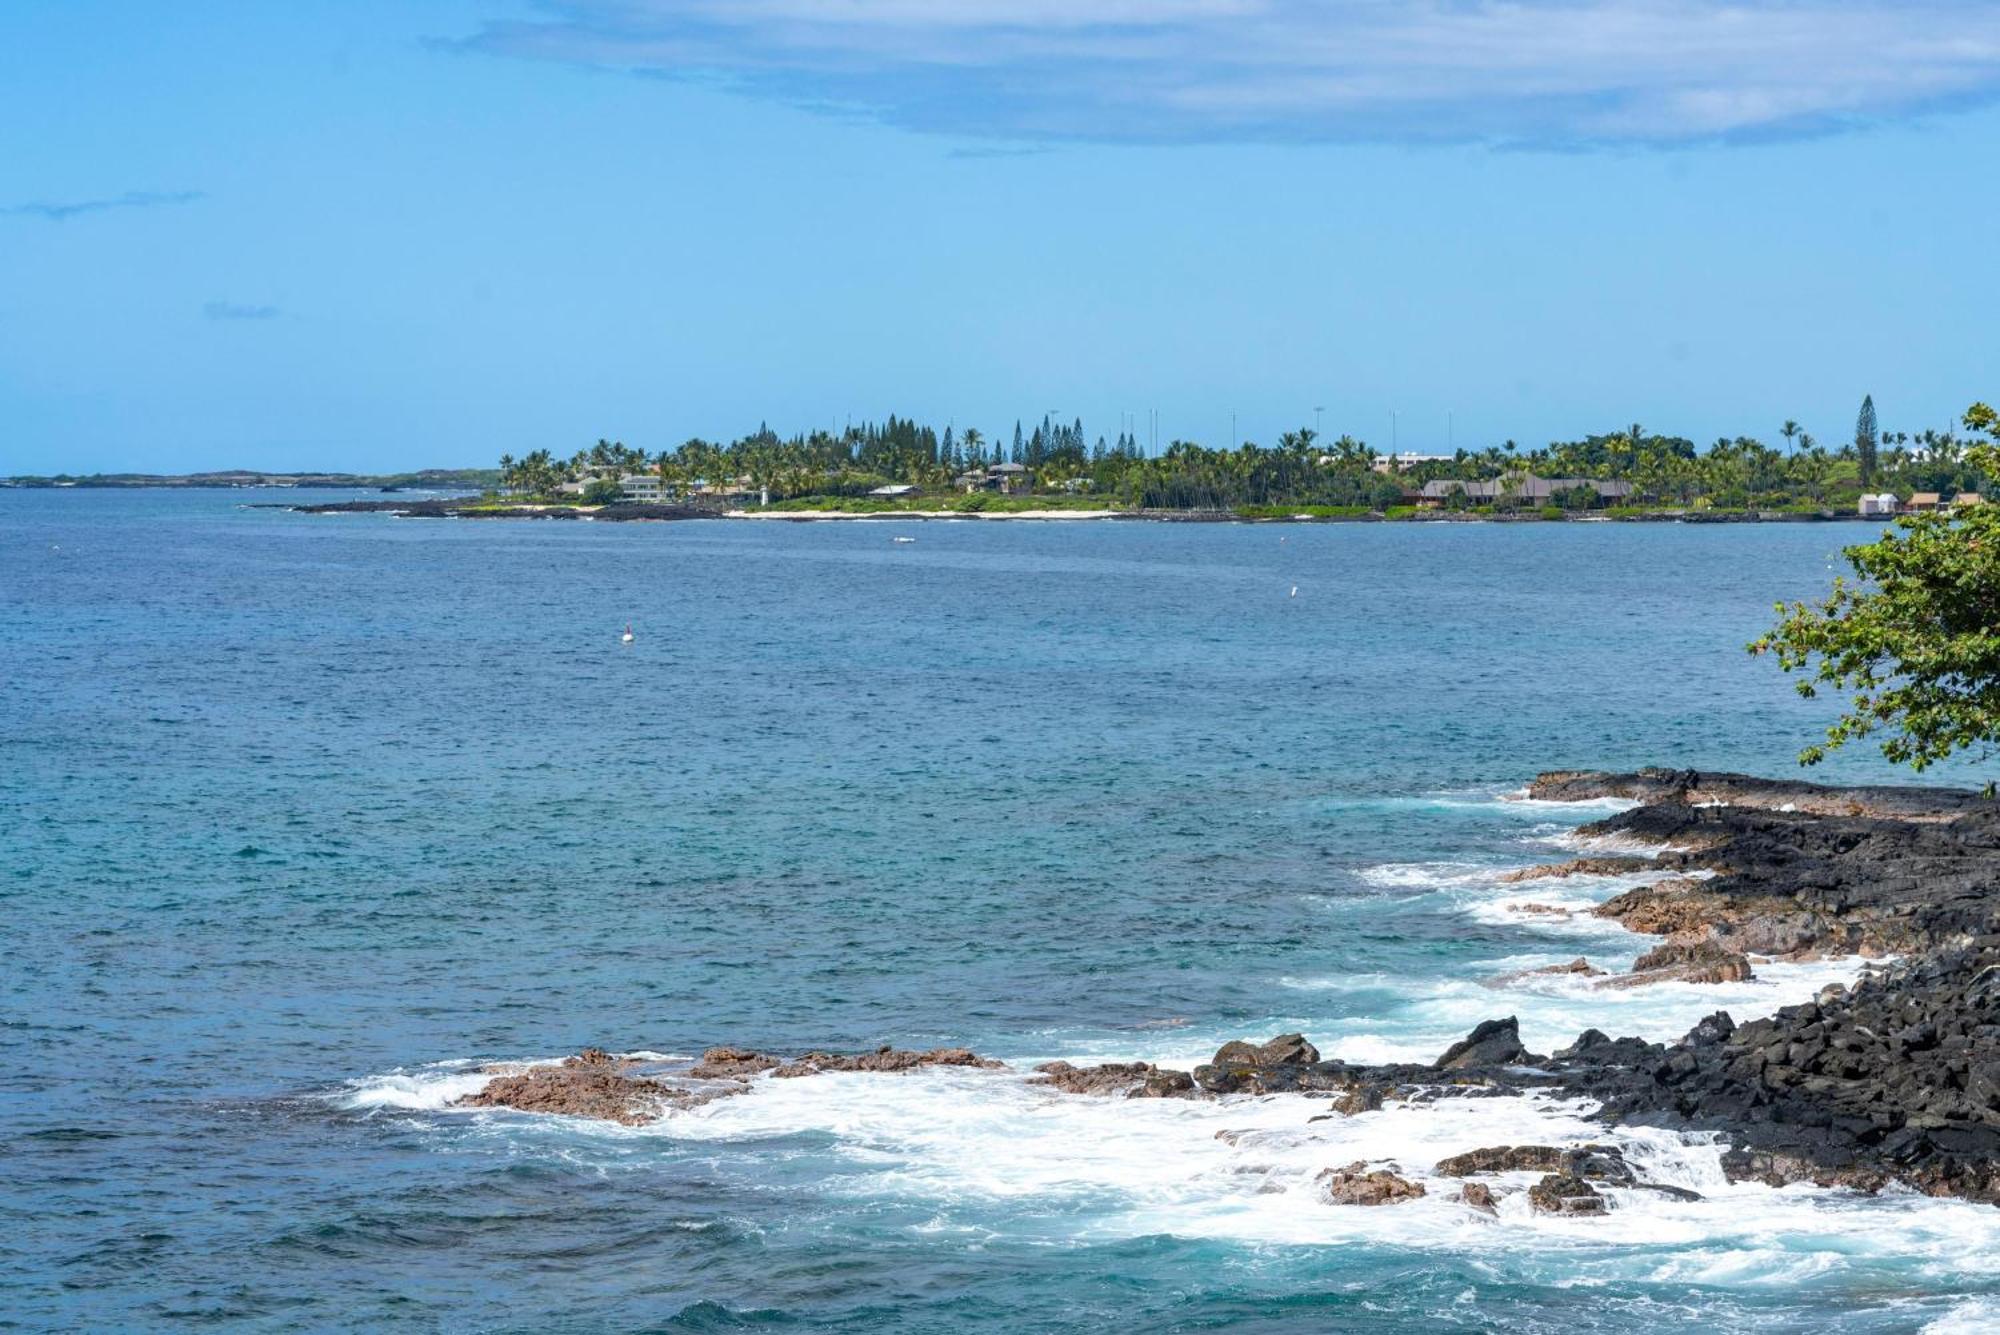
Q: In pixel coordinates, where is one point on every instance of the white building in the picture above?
(1881, 503)
(1404, 462)
(649, 487)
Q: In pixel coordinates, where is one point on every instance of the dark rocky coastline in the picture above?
(1894, 1081)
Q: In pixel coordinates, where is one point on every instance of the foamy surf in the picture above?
(987, 1154)
(430, 1088)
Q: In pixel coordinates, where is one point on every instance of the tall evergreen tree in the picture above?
(1866, 439)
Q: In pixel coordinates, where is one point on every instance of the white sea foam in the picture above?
(1518, 798)
(1429, 875)
(1974, 1316)
(439, 1085)
(1553, 1008)
(987, 1153)
(423, 1089)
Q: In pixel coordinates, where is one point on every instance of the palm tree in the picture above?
(1790, 431)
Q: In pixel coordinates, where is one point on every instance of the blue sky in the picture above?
(378, 235)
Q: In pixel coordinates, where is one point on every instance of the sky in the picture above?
(385, 234)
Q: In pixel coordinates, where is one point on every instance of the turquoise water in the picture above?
(301, 815)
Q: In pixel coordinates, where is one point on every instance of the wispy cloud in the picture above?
(131, 199)
(1535, 72)
(1000, 151)
(229, 310)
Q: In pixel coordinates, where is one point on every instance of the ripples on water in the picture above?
(303, 815)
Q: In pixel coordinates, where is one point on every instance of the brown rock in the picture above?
(589, 1086)
(1284, 1050)
(1556, 1194)
(884, 1059)
(1685, 961)
(1588, 866)
(731, 1064)
(1579, 966)
(1502, 1159)
(1679, 905)
(1479, 1196)
(1354, 1185)
(1136, 1080)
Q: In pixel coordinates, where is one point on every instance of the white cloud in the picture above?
(1552, 72)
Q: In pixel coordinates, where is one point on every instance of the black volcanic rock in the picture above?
(1491, 1043)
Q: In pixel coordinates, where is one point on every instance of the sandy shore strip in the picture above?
(800, 515)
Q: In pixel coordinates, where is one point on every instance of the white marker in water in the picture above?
(1295, 590)
(627, 637)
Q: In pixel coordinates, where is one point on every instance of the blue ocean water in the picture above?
(301, 816)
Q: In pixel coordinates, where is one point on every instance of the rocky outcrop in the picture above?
(884, 1059)
(1357, 1185)
(1656, 786)
(1798, 871)
(1562, 1195)
(1492, 1043)
(1132, 1080)
(1475, 1061)
(732, 1064)
(632, 1092)
(1578, 968)
(1479, 1197)
(1502, 1159)
(1590, 866)
(1897, 1079)
(1284, 1050)
(591, 1084)
(1695, 961)
(1595, 1163)
(739, 1063)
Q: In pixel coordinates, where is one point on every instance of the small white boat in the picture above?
(626, 638)
(902, 539)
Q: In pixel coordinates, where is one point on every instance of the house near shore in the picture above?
(893, 490)
(1400, 463)
(647, 488)
(1879, 504)
(1922, 502)
(1529, 490)
(1003, 478)
(1965, 498)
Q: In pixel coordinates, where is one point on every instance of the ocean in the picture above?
(302, 818)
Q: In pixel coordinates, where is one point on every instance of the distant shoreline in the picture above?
(640, 512)
(238, 479)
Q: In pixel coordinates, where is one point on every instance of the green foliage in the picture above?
(602, 492)
(1300, 473)
(1917, 642)
(1310, 511)
(1867, 440)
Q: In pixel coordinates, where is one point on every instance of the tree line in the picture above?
(1738, 472)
